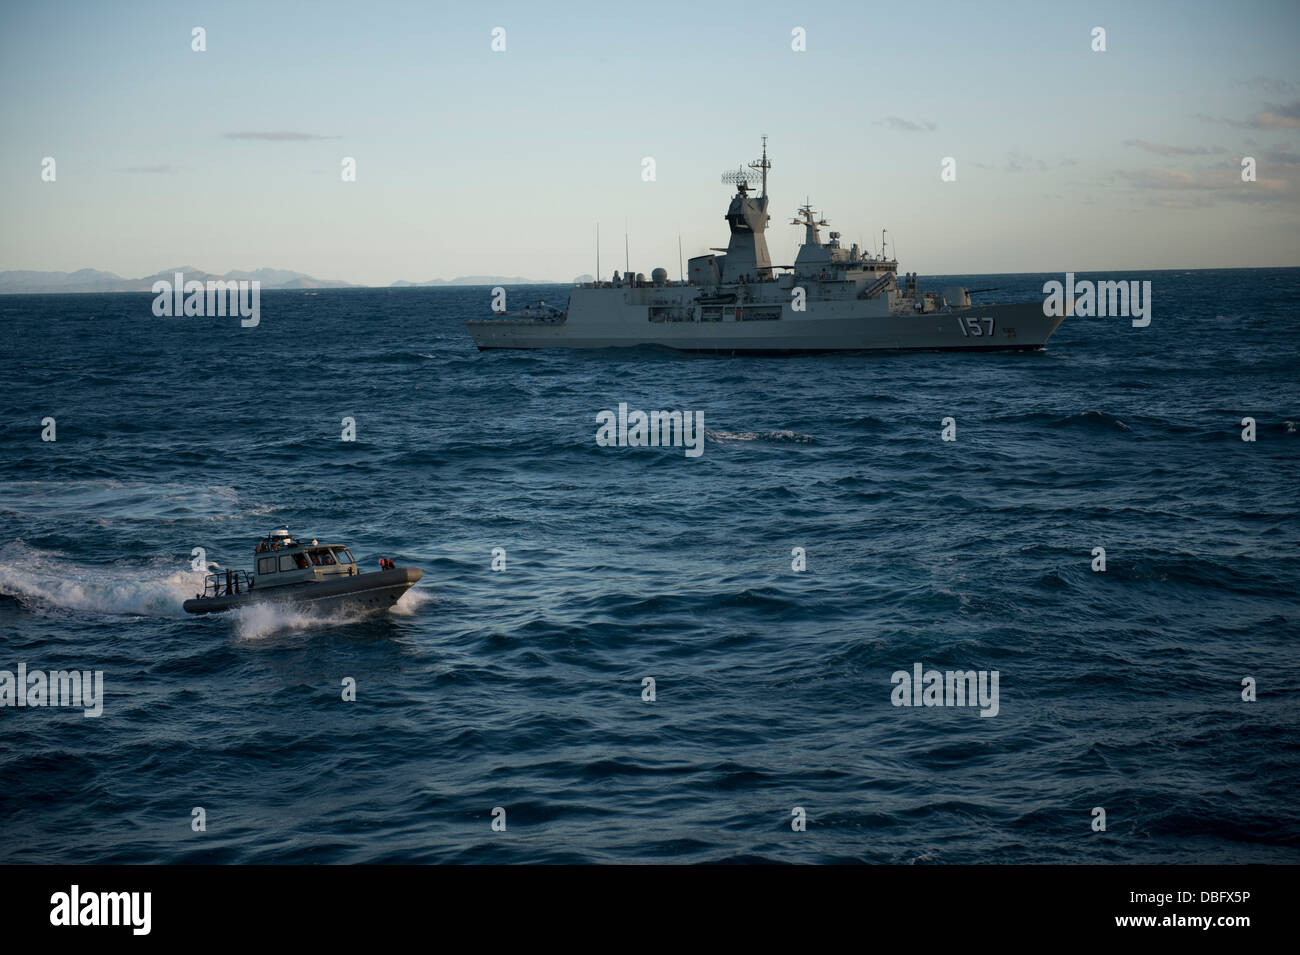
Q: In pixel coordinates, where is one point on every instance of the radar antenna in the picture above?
(757, 172)
(740, 178)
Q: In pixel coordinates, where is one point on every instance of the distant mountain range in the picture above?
(93, 280)
(477, 280)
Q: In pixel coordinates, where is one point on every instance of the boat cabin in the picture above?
(283, 559)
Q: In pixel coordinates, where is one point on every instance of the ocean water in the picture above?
(522, 688)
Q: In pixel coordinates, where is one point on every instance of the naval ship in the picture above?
(322, 576)
(735, 301)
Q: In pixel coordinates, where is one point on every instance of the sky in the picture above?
(475, 161)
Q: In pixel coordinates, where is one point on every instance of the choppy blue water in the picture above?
(522, 689)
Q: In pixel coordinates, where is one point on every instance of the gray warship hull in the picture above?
(610, 321)
(372, 591)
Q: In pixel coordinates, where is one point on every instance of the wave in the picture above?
(262, 620)
(871, 423)
(109, 499)
(412, 602)
(1092, 420)
(48, 580)
(766, 437)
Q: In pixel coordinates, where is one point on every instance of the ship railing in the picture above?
(227, 583)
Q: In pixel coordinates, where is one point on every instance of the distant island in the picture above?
(93, 280)
(478, 280)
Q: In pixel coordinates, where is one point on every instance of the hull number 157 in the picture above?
(973, 327)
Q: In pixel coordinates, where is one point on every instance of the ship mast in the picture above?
(763, 166)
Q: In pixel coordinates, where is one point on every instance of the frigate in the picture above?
(735, 301)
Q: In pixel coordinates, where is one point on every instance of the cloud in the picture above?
(893, 122)
(1020, 162)
(1161, 149)
(1162, 177)
(1195, 202)
(1263, 190)
(1271, 117)
(1278, 117)
(275, 136)
(1205, 118)
(1212, 184)
(1270, 85)
(1279, 157)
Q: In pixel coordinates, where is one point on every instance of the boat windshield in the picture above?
(342, 554)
